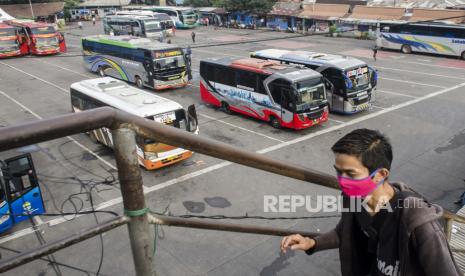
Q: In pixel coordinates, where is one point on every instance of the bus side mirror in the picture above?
(192, 121)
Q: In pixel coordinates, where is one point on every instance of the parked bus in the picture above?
(20, 194)
(432, 38)
(10, 43)
(43, 38)
(94, 93)
(352, 80)
(138, 60)
(184, 17)
(286, 96)
(136, 25)
(166, 23)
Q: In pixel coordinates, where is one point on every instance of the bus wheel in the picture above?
(101, 71)
(225, 108)
(139, 82)
(406, 49)
(274, 122)
(463, 55)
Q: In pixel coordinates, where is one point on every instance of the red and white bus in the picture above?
(42, 38)
(286, 96)
(10, 43)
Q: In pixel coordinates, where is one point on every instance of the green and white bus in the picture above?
(138, 60)
(184, 17)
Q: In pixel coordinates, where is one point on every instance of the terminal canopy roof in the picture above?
(454, 16)
(324, 11)
(364, 13)
(286, 8)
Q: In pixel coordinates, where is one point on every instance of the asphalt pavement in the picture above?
(419, 106)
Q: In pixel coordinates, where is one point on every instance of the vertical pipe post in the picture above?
(140, 234)
(448, 229)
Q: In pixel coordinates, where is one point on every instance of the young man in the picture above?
(375, 52)
(399, 234)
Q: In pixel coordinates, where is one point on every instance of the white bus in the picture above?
(432, 38)
(107, 91)
(166, 22)
(353, 81)
(184, 17)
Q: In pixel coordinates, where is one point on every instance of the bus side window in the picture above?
(280, 91)
(225, 76)
(260, 86)
(335, 77)
(246, 79)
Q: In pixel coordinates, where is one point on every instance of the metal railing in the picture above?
(124, 129)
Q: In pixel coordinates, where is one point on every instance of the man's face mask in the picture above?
(358, 187)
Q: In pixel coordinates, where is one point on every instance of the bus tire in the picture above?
(101, 71)
(225, 108)
(274, 122)
(463, 55)
(406, 49)
(139, 82)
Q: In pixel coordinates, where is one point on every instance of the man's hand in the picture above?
(297, 242)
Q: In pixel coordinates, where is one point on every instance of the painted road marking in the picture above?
(421, 73)
(223, 164)
(241, 128)
(69, 138)
(412, 82)
(395, 93)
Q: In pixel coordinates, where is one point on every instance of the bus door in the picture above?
(22, 188)
(336, 95)
(6, 221)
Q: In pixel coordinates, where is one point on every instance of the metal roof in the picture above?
(314, 58)
(122, 96)
(132, 42)
(293, 73)
(324, 11)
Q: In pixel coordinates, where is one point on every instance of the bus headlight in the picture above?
(150, 155)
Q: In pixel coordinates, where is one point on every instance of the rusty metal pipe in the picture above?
(140, 234)
(229, 227)
(56, 127)
(54, 246)
(180, 138)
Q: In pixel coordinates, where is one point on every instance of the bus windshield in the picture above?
(358, 78)
(8, 45)
(43, 30)
(47, 42)
(7, 32)
(152, 26)
(310, 93)
(169, 62)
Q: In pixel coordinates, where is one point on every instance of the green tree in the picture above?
(197, 3)
(71, 4)
(252, 6)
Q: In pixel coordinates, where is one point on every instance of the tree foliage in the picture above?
(252, 6)
(198, 3)
(71, 4)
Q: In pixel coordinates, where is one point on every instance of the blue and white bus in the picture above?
(353, 81)
(20, 195)
(431, 38)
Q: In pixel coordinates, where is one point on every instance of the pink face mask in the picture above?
(358, 187)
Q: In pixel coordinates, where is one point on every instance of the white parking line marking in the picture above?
(67, 69)
(433, 65)
(69, 137)
(412, 82)
(188, 176)
(241, 128)
(395, 93)
(420, 73)
(336, 121)
(36, 77)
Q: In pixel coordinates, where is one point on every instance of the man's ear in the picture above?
(382, 174)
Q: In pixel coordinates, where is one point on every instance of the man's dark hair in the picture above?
(369, 146)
